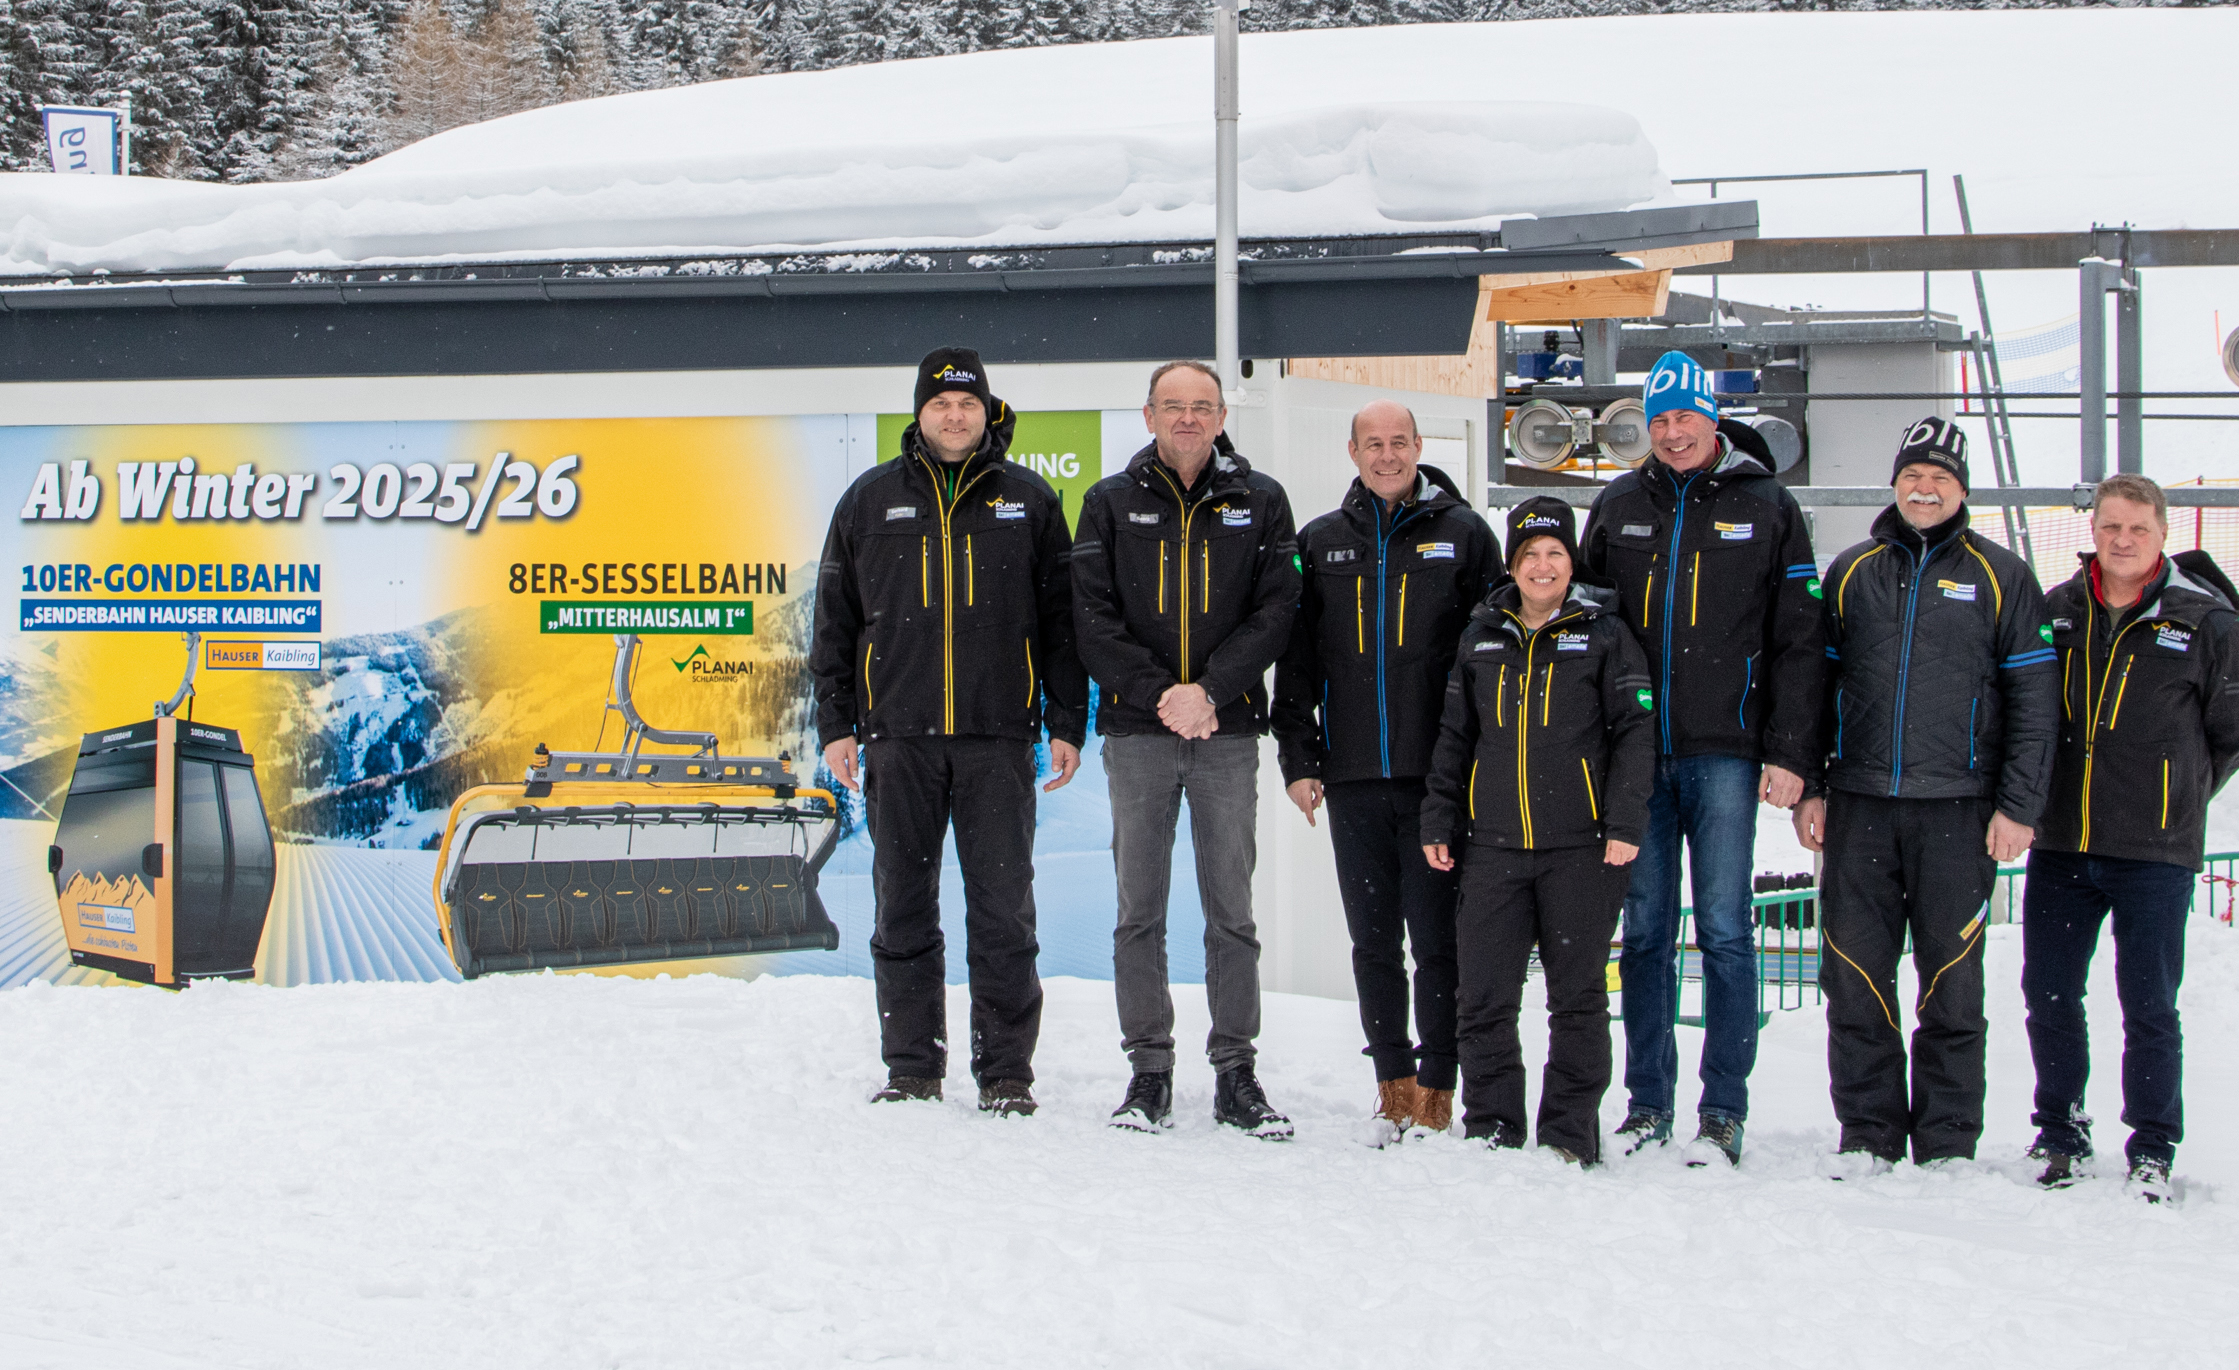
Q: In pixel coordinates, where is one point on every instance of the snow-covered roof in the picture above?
(1084, 144)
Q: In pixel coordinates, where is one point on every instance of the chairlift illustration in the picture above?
(613, 858)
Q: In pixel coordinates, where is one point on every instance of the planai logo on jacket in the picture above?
(1008, 508)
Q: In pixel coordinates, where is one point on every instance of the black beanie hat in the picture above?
(951, 368)
(1938, 442)
(1543, 516)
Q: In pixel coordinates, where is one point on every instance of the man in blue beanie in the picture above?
(1714, 573)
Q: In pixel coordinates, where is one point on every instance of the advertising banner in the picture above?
(392, 613)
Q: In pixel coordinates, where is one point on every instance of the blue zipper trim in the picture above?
(1972, 706)
(1671, 606)
(1325, 718)
(1838, 725)
(1748, 678)
(1904, 663)
(1383, 710)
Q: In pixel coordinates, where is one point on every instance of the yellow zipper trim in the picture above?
(2122, 687)
(1997, 594)
(2067, 668)
(1972, 933)
(1844, 589)
(870, 701)
(1030, 681)
(1695, 591)
(948, 597)
(1591, 807)
(1871, 987)
(1547, 694)
(2091, 732)
(1473, 791)
(1402, 610)
(1182, 570)
(1500, 699)
(1205, 581)
(2165, 792)
(1360, 621)
(971, 592)
(1648, 596)
(925, 571)
(1162, 577)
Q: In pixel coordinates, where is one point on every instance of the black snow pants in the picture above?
(1568, 901)
(912, 787)
(1393, 898)
(1893, 866)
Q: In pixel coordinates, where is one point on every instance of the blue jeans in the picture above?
(2067, 898)
(1711, 802)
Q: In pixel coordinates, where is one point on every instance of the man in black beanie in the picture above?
(944, 641)
(1942, 712)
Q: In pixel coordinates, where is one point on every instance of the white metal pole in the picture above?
(1224, 195)
(124, 132)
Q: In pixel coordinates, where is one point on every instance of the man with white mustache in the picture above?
(1940, 728)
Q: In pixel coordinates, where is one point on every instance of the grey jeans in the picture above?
(1148, 775)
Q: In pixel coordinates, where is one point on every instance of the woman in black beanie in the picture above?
(1539, 787)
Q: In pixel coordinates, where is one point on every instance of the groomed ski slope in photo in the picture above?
(573, 1171)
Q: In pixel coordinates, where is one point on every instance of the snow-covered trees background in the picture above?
(258, 90)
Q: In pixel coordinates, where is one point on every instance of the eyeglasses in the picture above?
(1174, 409)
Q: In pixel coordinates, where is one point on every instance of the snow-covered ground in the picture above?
(576, 1171)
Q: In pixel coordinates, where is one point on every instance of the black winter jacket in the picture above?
(1174, 586)
(2149, 716)
(1358, 692)
(1548, 738)
(1715, 577)
(947, 615)
(1945, 685)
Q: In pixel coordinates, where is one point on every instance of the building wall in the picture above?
(1291, 427)
(1853, 441)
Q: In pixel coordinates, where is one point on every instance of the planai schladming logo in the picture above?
(708, 669)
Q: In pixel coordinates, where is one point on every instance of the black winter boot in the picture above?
(1498, 1135)
(1149, 1105)
(1239, 1102)
(902, 1089)
(1007, 1098)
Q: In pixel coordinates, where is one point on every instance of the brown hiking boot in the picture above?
(1434, 1109)
(1395, 1101)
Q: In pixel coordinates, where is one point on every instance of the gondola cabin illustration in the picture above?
(162, 860)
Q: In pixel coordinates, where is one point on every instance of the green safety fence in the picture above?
(1787, 936)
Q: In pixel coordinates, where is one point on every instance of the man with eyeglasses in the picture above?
(1185, 580)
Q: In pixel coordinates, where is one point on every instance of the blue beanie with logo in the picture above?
(1677, 383)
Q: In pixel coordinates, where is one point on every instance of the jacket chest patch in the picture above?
(901, 511)
(1435, 551)
(1735, 532)
(1232, 517)
(1637, 530)
(1339, 556)
(1008, 508)
(1954, 590)
(1572, 642)
(1145, 518)
(2174, 638)
(1488, 646)
(2063, 624)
